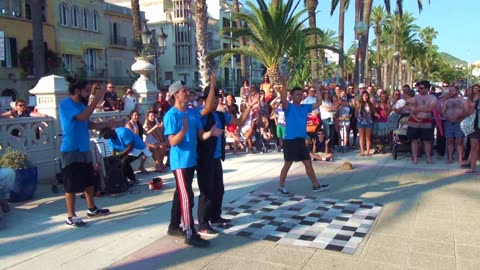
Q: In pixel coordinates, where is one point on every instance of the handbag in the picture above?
(312, 124)
(467, 124)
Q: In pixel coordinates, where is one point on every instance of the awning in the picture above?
(69, 47)
(96, 46)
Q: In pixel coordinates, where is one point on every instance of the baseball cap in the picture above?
(361, 85)
(175, 87)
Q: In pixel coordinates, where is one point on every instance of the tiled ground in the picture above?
(302, 220)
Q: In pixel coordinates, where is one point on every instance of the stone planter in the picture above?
(142, 66)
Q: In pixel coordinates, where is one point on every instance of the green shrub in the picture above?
(15, 159)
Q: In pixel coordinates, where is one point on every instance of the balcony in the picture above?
(120, 41)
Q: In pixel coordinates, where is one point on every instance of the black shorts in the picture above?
(78, 176)
(424, 134)
(295, 150)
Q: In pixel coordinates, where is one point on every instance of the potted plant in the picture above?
(26, 175)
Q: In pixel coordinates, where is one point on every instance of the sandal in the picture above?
(471, 171)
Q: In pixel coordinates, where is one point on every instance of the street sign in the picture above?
(2, 46)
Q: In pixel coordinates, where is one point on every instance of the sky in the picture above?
(455, 21)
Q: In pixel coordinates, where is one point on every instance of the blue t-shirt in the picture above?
(125, 137)
(184, 154)
(76, 137)
(296, 119)
(228, 118)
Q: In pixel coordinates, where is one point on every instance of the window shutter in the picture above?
(13, 51)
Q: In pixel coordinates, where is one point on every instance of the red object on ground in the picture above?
(155, 184)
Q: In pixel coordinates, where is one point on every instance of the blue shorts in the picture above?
(453, 130)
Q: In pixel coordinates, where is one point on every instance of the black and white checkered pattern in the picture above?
(301, 220)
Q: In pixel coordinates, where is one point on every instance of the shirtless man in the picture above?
(420, 123)
(453, 112)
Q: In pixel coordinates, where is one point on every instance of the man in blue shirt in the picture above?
(211, 152)
(182, 127)
(294, 146)
(75, 149)
(128, 146)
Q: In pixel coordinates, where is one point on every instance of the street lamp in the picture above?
(229, 11)
(404, 74)
(154, 45)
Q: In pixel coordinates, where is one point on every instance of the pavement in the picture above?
(430, 220)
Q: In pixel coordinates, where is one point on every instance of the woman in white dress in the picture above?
(155, 140)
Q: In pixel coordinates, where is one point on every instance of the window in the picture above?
(75, 17)
(95, 21)
(11, 54)
(183, 33)
(16, 9)
(4, 7)
(91, 60)
(85, 19)
(183, 55)
(67, 61)
(28, 10)
(63, 14)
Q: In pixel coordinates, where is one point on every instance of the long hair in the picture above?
(364, 104)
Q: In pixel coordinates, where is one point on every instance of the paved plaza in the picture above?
(430, 220)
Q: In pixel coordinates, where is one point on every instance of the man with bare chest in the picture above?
(453, 112)
(420, 122)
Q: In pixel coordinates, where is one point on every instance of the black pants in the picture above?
(182, 204)
(126, 167)
(210, 183)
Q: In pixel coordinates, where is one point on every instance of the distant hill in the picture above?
(452, 59)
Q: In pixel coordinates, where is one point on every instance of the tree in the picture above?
(341, 35)
(272, 30)
(241, 41)
(378, 17)
(326, 38)
(137, 25)
(312, 7)
(201, 23)
(37, 42)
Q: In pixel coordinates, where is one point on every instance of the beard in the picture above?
(84, 100)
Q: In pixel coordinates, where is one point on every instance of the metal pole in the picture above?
(231, 60)
(156, 68)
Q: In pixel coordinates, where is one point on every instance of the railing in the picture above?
(122, 41)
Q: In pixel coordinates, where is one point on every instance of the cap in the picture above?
(175, 87)
(361, 85)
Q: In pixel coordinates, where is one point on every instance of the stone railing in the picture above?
(36, 137)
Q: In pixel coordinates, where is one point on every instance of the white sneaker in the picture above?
(283, 191)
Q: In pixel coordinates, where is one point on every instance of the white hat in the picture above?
(361, 85)
(175, 87)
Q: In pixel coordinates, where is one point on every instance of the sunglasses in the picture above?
(21, 105)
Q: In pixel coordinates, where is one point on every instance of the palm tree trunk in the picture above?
(137, 26)
(367, 10)
(341, 41)
(378, 33)
(201, 23)
(322, 59)
(39, 52)
(312, 7)
(241, 41)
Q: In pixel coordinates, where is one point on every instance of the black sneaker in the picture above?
(220, 221)
(75, 222)
(197, 241)
(98, 212)
(283, 191)
(177, 232)
(208, 231)
(320, 188)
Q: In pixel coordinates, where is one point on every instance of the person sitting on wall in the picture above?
(110, 99)
(21, 110)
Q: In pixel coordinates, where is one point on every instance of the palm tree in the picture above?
(272, 30)
(341, 34)
(326, 38)
(201, 23)
(399, 6)
(37, 42)
(428, 34)
(137, 25)
(378, 17)
(241, 41)
(312, 7)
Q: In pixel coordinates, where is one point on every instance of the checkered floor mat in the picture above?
(301, 220)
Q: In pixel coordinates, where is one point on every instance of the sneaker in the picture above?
(208, 231)
(75, 222)
(177, 232)
(320, 188)
(98, 212)
(220, 221)
(197, 241)
(283, 191)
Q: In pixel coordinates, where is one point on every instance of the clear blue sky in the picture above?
(455, 21)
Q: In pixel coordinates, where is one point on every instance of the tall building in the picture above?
(176, 19)
(16, 59)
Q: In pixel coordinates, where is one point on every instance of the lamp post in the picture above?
(404, 73)
(396, 56)
(154, 45)
(232, 75)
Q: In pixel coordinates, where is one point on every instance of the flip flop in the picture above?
(471, 171)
